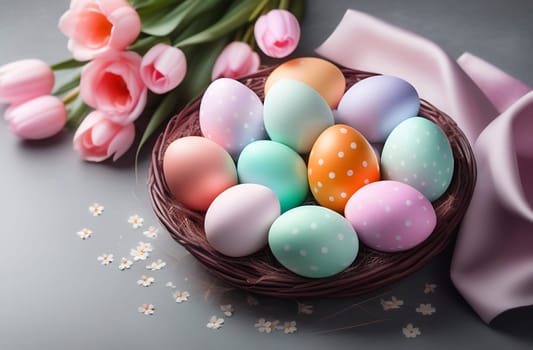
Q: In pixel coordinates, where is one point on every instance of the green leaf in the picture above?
(68, 86)
(76, 113)
(143, 4)
(166, 108)
(67, 64)
(297, 7)
(160, 21)
(233, 19)
(199, 24)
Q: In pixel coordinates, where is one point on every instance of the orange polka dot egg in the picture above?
(341, 162)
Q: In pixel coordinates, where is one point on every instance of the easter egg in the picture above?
(323, 76)
(375, 105)
(196, 170)
(231, 114)
(313, 241)
(341, 161)
(418, 153)
(295, 114)
(277, 167)
(390, 216)
(238, 220)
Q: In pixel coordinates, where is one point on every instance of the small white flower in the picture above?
(227, 310)
(305, 309)
(170, 285)
(264, 326)
(105, 259)
(181, 296)
(425, 309)
(410, 331)
(146, 246)
(136, 221)
(145, 281)
(288, 327)
(125, 263)
(96, 209)
(141, 252)
(215, 323)
(430, 288)
(147, 309)
(84, 233)
(156, 265)
(391, 304)
(151, 232)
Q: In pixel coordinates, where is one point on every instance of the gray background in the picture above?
(55, 295)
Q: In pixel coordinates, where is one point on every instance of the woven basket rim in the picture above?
(260, 273)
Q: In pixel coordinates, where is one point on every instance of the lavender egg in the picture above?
(231, 114)
(375, 105)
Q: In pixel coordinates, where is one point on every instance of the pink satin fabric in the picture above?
(492, 265)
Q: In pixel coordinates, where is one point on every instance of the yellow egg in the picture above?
(321, 75)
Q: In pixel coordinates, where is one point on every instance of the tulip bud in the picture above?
(25, 79)
(236, 60)
(38, 118)
(99, 138)
(277, 33)
(163, 68)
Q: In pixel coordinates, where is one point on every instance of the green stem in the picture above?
(284, 4)
(257, 11)
(71, 96)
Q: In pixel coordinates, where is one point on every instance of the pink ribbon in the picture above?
(492, 265)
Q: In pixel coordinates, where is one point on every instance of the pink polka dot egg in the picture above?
(390, 216)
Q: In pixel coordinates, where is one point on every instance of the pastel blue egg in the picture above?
(277, 167)
(313, 241)
(295, 114)
(376, 105)
(418, 153)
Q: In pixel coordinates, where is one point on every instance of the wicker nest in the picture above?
(260, 273)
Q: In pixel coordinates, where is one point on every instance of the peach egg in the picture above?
(323, 76)
(197, 170)
(341, 161)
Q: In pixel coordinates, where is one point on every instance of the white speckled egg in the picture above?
(418, 153)
(295, 114)
(375, 105)
(313, 241)
(231, 114)
(237, 222)
(390, 216)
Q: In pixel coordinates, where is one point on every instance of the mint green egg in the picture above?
(277, 167)
(418, 153)
(295, 114)
(313, 241)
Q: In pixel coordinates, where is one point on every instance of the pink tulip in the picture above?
(277, 33)
(97, 27)
(163, 68)
(113, 84)
(39, 118)
(236, 60)
(25, 79)
(98, 138)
